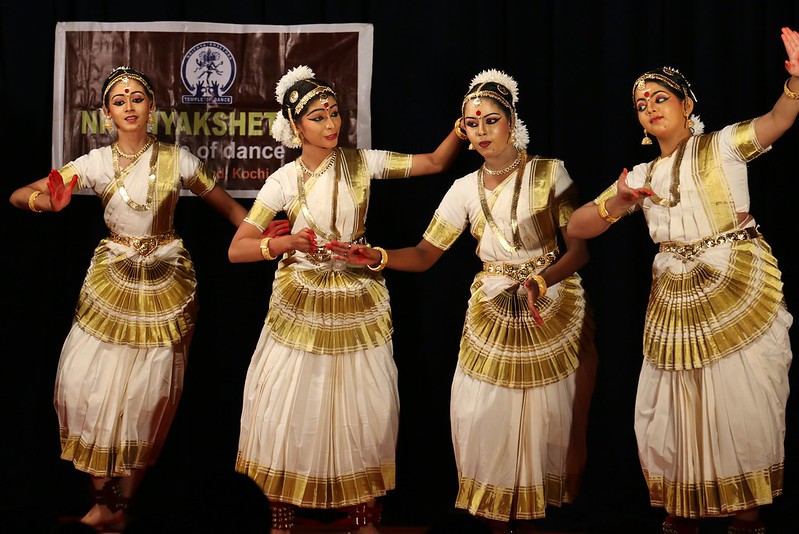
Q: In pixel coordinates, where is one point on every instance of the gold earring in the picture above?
(646, 140)
(471, 146)
(108, 124)
(689, 123)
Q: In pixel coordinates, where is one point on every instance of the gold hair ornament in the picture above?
(125, 76)
(640, 83)
(321, 90)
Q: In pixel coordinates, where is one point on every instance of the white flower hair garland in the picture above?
(520, 135)
(698, 127)
(281, 128)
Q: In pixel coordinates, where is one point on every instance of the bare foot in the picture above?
(100, 517)
(368, 529)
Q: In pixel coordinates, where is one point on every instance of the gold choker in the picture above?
(147, 145)
(507, 169)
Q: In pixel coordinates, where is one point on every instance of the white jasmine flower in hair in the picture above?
(282, 132)
(303, 72)
(699, 127)
(522, 138)
(497, 76)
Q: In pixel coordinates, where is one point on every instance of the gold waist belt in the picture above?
(520, 271)
(689, 250)
(143, 244)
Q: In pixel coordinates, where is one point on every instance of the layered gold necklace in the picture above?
(674, 187)
(333, 235)
(514, 217)
(120, 174)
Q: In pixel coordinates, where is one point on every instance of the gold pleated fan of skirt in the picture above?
(503, 345)
(138, 301)
(329, 312)
(699, 315)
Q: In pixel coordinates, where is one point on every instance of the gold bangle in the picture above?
(541, 283)
(383, 260)
(603, 212)
(459, 130)
(787, 90)
(265, 249)
(32, 200)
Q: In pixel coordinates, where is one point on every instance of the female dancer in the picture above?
(120, 374)
(321, 409)
(527, 360)
(713, 387)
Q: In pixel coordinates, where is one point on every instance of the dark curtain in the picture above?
(575, 63)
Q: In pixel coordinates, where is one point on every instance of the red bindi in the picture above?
(127, 91)
(327, 105)
(646, 94)
(478, 113)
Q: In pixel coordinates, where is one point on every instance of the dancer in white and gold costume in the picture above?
(121, 370)
(527, 360)
(321, 408)
(713, 388)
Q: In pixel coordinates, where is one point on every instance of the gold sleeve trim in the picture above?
(259, 215)
(441, 233)
(745, 141)
(397, 165)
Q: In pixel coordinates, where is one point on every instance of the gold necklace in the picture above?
(507, 169)
(147, 145)
(120, 174)
(323, 166)
(514, 218)
(322, 254)
(674, 188)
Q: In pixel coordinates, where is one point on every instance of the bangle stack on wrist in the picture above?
(541, 283)
(787, 90)
(265, 249)
(603, 212)
(383, 260)
(32, 200)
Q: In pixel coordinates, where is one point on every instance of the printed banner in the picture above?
(214, 87)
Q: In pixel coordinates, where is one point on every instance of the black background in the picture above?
(575, 63)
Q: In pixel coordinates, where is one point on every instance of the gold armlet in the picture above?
(541, 283)
(603, 212)
(265, 249)
(787, 90)
(459, 131)
(383, 260)
(32, 200)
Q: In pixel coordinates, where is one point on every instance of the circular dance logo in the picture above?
(208, 71)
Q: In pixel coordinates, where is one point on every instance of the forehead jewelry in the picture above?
(323, 99)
